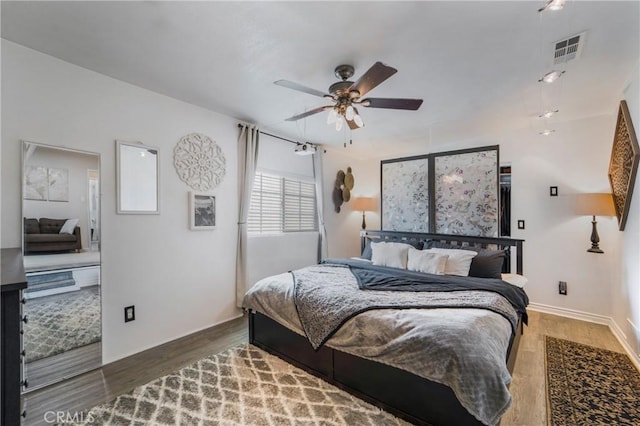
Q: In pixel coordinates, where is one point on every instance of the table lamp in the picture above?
(364, 204)
(595, 205)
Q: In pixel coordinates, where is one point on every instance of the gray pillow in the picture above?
(488, 264)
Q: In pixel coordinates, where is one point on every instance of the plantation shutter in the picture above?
(282, 205)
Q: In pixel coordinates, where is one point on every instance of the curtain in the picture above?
(322, 232)
(247, 161)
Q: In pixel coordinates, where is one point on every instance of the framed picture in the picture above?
(202, 211)
(623, 164)
(453, 192)
(58, 184)
(404, 185)
(36, 183)
(467, 188)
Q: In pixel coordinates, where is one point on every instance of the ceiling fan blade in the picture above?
(308, 113)
(300, 88)
(375, 75)
(392, 103)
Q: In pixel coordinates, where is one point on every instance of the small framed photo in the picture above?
(202, 211)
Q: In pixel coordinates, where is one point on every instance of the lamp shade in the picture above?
(595, 205)
(364, 204)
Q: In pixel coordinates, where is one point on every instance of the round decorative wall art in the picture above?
(342, 188)
(199, 161)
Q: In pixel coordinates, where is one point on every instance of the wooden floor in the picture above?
(104, 384)
(82, 392)
(529, 406)
(64, 365)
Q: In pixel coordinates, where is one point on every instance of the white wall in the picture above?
(343, 229)
(78, 205)
(273, 254)
(180, 280)
(626, 295)
(575, 159)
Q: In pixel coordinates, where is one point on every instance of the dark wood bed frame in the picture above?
(408, 396)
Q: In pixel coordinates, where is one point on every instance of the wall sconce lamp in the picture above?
(364, 204)
(595, 205)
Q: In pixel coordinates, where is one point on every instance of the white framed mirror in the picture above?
(137, 178)
(61, 227)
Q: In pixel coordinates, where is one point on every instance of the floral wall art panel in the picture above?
(466, 193)
(58, 184)
(405, 195)
(36, 183)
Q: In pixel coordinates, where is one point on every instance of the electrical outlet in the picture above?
(562, 287)
(129, 313)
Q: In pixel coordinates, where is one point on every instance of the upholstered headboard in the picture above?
(487, 243)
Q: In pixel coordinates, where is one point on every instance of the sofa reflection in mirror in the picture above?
(45, 234)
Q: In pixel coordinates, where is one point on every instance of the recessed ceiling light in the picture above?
(550, 77)
(547, 132)
(552, 5)
(548, 114)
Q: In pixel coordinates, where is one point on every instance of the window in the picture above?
(280, 204)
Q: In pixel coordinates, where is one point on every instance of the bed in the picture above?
(375, 369)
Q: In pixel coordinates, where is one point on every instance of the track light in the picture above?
(548, 113)
(552, 5)
(305, 149)
(550, 77)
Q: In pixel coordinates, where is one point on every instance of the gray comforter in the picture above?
(464, 349)
(324, 305)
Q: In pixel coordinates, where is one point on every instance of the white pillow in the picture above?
(459, 261)
(390, 254)
(69, 226)
(515, 279)
(430, 263)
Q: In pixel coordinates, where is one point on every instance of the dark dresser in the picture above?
(13, 282)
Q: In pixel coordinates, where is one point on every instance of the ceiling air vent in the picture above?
(568, 49)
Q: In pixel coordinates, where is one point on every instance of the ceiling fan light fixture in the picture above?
(349, 113)
(339, 124)
(551, 76)
(358, 120)
(332, 117)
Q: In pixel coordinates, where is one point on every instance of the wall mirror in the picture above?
(137, 178)
(61, 244)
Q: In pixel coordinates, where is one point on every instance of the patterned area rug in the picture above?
(61, 322)
(241, 386)
(590, 386)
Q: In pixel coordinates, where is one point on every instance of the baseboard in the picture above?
(87, 276)
(570, 313)
(164, 342)
(622, 338)
(594, 318)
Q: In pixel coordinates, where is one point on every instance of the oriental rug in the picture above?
(590, 386)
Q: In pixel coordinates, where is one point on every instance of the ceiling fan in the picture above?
(347, 95)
